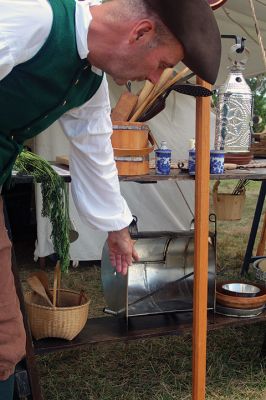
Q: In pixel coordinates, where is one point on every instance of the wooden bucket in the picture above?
(228, 207)
(132, 143)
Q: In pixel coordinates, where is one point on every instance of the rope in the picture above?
(237, 23)
(258, 32)
(261, 2)
(185, 200)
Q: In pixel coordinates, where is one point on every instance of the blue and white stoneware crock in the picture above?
(163, 161)
(191, 162)
(216, 162)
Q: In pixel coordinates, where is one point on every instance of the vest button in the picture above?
(64, 103)
(86, 67)
(77, 81)
(28, 129)
(46, 116)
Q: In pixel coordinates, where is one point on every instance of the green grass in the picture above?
(161, 368)
(158, 369)
(232, 236)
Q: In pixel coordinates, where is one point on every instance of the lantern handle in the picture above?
(239, 41)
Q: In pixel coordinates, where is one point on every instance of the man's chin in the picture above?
(120, 82)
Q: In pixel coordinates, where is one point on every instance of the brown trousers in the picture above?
(12, 334)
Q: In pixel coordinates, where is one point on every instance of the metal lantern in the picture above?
(234, 113)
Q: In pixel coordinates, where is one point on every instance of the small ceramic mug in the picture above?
(191, 162)
(162, 161)
(216, 162)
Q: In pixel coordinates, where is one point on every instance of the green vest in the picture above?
(37, 92)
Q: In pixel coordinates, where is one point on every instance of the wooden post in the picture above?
(262, 242)
(200, 295)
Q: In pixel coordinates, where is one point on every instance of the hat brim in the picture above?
(192, 22)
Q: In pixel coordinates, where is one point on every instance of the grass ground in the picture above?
(159, 369)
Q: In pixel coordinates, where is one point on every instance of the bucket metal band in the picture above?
(131, 127)
(132, 159)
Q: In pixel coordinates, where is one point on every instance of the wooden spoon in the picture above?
(57, 284)
(144, 93)
(164, 78)
(162, 88)
(36, 285)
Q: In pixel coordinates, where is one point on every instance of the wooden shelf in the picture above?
(113, 329)
(175, 174)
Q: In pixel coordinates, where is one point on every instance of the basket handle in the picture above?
(57, 282)
(137, 152)
(152, 139)
(215, 187)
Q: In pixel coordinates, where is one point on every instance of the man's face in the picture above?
(146, 62)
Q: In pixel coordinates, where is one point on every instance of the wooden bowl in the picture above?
(240, 302)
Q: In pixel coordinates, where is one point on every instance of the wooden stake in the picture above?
(200, 295)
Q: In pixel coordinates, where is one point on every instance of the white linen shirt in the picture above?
(24, 28)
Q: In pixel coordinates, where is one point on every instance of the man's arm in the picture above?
(95, 185)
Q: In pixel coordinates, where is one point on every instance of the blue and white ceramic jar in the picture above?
(191, 161)
(163, 160)
(216, 162)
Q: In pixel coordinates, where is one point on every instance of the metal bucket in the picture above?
(161, 281)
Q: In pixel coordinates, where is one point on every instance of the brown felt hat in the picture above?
(193, 23)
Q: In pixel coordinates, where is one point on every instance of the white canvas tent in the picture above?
(165, 205)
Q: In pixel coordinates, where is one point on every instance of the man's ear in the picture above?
(143, 31)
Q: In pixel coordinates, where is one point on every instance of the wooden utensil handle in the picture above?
(57, 283)
(154, 95)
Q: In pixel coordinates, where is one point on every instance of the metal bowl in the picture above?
(240, 289)
(260, 269)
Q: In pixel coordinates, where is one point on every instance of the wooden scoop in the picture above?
(166, 84)
(165, 76)
(124, 107)
(43, 277)
(36, 285)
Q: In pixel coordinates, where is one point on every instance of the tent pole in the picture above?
(200, 295)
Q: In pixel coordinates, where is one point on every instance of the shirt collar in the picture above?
(83, 19)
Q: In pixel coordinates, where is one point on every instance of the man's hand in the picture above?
(121, 250)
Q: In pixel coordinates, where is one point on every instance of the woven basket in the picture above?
(63, 322)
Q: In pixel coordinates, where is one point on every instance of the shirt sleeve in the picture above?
(24, 27)
(95, 185)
